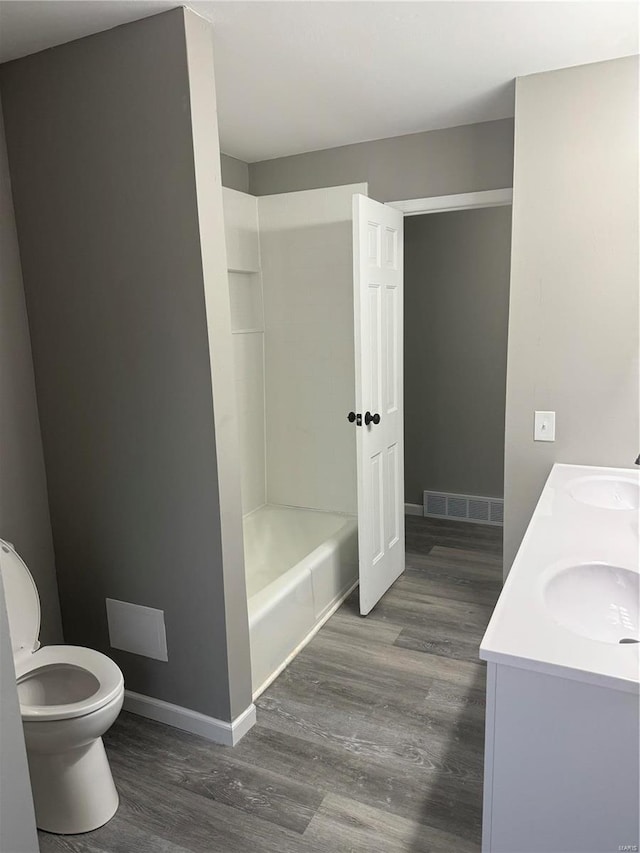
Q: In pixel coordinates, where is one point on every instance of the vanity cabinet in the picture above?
(562, 747)
(561, 765)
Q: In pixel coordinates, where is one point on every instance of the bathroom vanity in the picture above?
(562, 747)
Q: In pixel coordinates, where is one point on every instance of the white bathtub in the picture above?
(300, 563)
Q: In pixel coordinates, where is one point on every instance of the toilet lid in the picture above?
(23, 603)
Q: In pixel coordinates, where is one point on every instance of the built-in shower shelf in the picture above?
(475, 508)
(245, 296)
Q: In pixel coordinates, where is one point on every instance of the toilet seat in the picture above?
(79, 670)
(54, 682)
(69, 697)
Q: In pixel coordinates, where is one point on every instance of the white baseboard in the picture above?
(326, 616)
(218, 731)
(413, 509)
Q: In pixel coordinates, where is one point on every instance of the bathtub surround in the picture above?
(247, 329)
(24, 512)
(115, 167)
(573, 320)
(291, 293)
(468, 158)
(306, 249)
(248, 350)
(456, 310)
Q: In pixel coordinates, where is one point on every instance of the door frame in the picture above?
(445, 204)
(460, 201)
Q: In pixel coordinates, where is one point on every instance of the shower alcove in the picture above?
(291, 297)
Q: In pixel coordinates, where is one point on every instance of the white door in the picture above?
(378, 296)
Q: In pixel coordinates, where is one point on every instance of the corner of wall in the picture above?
(24, 509)
(206, 149)
(235, 173)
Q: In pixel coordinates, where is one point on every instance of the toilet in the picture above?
(69, 696)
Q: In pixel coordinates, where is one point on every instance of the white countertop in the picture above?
(564, 532)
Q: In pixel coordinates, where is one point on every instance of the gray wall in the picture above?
(101, 150)
(573, 324)
(17, 819)
(24, 511)
(461, 159)
(456, 309)
(24, 519)
(235, 173)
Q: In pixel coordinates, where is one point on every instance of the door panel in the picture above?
(391, 318)
(378, 240)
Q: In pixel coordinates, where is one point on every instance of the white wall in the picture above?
(307, 270)
(573, 321)
(206, 151)
(247, 328)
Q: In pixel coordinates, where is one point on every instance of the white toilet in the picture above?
(69, 697)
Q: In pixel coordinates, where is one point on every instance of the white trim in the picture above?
(490, 741)
(242, 724)
(218, 731)
(413, 509)
(201, 101)
(285, 663)
(461, 201)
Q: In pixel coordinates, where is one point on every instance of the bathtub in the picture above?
(300, 564)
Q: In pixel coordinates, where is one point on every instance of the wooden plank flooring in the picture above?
(370, 742)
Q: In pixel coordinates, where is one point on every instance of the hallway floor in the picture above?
(370, 742)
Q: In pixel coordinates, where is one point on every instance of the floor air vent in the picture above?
(463, 507)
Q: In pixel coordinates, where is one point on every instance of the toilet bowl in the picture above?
(69, 696)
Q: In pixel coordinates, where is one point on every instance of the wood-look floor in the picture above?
(370, 742)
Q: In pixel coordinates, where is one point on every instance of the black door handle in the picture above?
(369, 418)
(351, 417)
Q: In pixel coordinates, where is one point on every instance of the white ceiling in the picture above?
(300, 76)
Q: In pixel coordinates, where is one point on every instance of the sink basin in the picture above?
(606, 492)
(595, 600)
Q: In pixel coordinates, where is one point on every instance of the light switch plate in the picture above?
(138, 629)
(544, 428)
